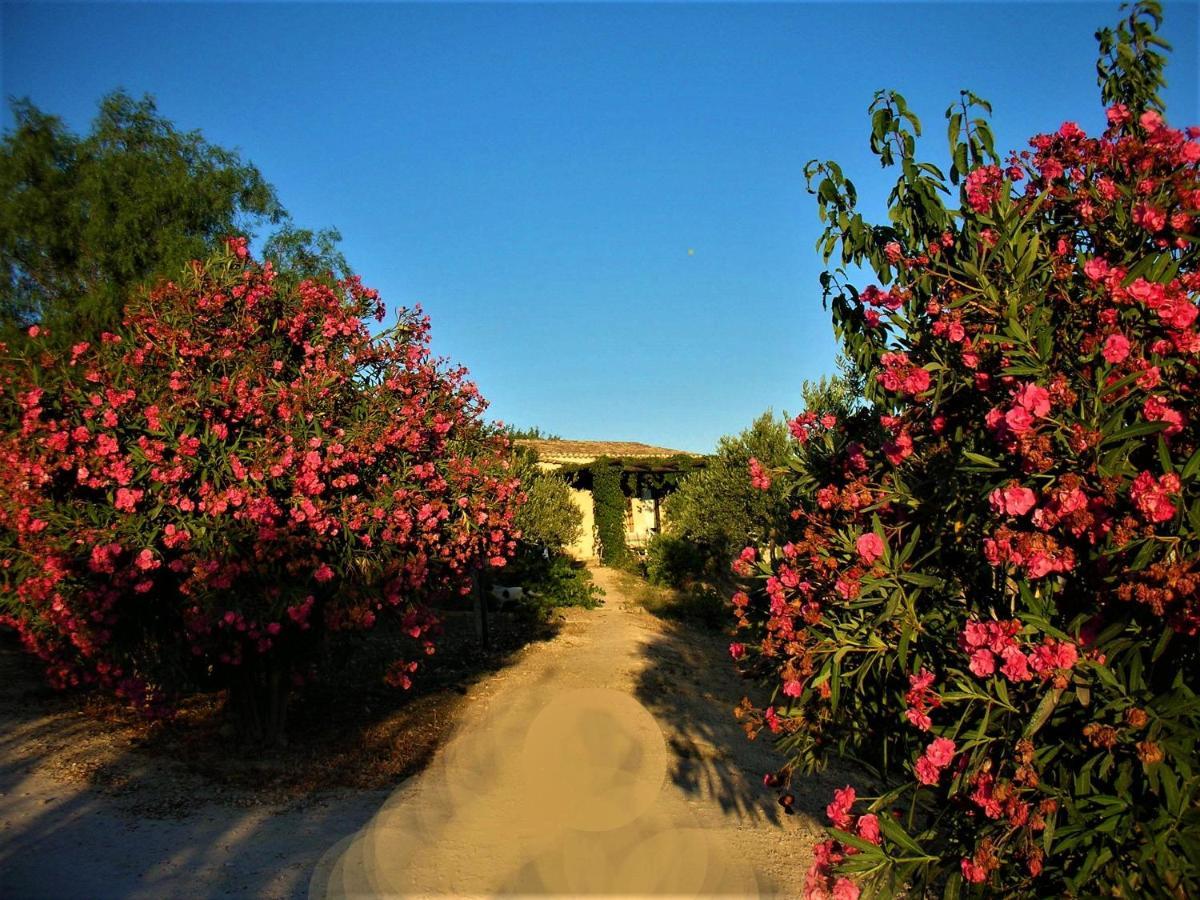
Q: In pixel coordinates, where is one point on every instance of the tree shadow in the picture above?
(88, 844)
(690, 686)
(66, 830)
(97, 802)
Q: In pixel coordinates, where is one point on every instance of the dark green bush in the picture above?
(554, 582)
(674, 561)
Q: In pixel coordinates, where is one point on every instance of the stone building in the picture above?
(646, 476)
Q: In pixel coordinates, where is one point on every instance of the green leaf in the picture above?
(898, 836)
(1043, 711)
(854, 841)
(986, 460)
(1161, 646)
(1192, 468)
(1133, 431)
(1048, 834)
(906, 634)
(1164, 456)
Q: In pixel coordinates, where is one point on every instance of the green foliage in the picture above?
(556, 582)
(614, 479)
(658, 473)
(990, 594)
(529, 434)
(549, 517)
(86, 219)
(550, 581)
(608, 501)
(299, 253)
(673, 561)
(1130, 70)
(716, 509)
(838, 395)
(549, 521)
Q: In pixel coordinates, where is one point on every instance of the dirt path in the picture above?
(606, 761)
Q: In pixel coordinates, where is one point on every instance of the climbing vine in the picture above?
(662, 474)
(613, 479)
(608, 502)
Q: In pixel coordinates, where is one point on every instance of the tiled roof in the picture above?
(582, 451)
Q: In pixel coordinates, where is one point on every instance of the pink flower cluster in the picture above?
(1169, 301)
(1157, 409)
(1154, 498)
(877, 299)
(874, 296)
(1116, 349)
(989, 643)
(1037, 555)
(819, 881)
(1031, 402)
(806, 424)
(759, 477)
(921, 699)
(1013, 500)
(743, 564)
(900, 375)
(982, 187)
(236, 408)
(870, 547)
(899, 445)
(937, 756)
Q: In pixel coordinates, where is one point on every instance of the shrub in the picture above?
(991, 592)
(239, 468)
(673, 561)
(548, 521)
(555, 582)
(717, 511)
(549, 518)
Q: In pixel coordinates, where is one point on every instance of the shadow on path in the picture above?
(690, 686)
(98, 804)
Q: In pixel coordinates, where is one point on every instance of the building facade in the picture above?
(646, 474)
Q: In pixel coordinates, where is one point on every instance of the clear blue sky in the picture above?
(535, 175)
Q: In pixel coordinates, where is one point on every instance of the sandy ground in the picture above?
(605, 762)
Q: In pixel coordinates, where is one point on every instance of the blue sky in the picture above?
(535, 175)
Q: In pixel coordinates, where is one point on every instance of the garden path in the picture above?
(605, 761)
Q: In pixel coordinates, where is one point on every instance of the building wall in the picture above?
(584, 547)
(639, 525)
(639, 516)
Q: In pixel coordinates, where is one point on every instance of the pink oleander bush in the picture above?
(240, 468)
(989, 594)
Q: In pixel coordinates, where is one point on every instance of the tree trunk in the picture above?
(258, 699)
(482, 631)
